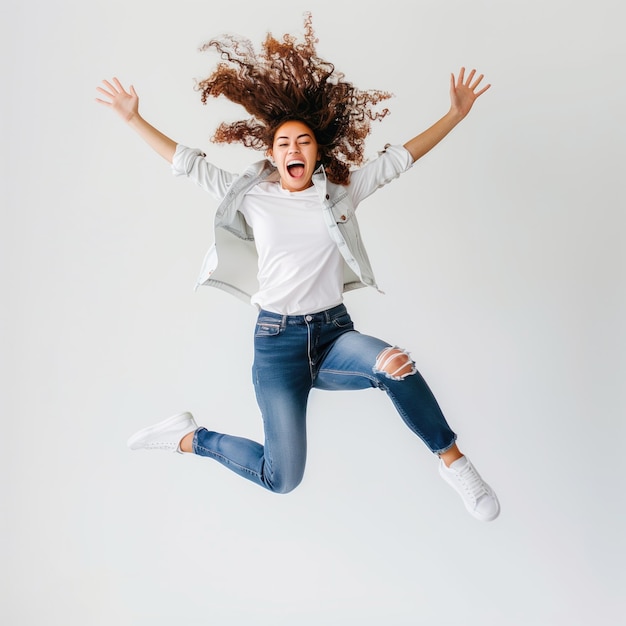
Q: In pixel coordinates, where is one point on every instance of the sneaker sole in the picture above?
(170, 421)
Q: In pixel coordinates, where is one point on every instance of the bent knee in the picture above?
(282, 483)
(284, 486)
(283, 489)
(395, 363)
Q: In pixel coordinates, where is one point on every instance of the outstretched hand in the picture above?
(463, 92)
(124, 103)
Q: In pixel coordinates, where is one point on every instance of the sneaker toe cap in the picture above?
(487, 508)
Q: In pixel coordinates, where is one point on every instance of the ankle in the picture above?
(451, 455)
(186, 443)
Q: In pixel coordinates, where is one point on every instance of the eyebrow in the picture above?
(298, 137)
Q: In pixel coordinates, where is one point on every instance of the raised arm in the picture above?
(126, 105)
(463, 94)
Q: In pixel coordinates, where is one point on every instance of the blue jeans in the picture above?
(294, 354)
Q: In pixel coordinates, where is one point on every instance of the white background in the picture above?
(503, 263)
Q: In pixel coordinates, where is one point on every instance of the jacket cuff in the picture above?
(184, 158)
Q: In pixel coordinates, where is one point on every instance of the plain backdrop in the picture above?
(502, 258)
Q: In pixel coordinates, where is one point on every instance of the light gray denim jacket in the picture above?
(237, 269)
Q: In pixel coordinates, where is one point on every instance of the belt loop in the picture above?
(283, 322)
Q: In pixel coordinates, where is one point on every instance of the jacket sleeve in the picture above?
(387, 166)
(192, 163)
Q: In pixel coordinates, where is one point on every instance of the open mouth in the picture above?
(295, 169)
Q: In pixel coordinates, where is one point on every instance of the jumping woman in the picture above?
(287, 241)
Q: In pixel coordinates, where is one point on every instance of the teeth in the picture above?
(290, 163)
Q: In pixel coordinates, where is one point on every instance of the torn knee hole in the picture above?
(395, 363)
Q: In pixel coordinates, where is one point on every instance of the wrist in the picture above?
(134, 119)
(454, 115)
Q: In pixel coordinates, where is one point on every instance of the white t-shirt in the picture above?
(300, 267)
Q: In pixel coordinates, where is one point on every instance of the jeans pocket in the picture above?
(343, 321)
(267, 329)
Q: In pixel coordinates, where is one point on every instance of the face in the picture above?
(295, 153)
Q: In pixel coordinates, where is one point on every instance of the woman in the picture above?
(288, 242)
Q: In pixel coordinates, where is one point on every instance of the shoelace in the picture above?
(471, 482)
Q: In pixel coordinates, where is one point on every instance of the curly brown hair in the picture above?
(288, 81)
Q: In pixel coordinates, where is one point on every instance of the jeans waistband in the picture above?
(321, 316)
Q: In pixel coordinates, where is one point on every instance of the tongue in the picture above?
(296, 170)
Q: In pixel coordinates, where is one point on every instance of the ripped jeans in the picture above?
(294, 354)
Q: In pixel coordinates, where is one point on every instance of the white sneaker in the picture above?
(165, 435)
(479, 498)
